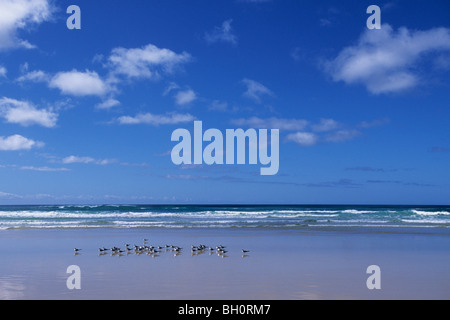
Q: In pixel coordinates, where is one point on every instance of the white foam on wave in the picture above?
(425, 221)
(431, 213)
(307, 211)
(353, 211)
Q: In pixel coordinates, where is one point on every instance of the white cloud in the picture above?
(17, 142)
(224, 33)
(170, 87)
(222, 106)
(156, 120)
(342, 135)
(3, 71)
(108, 104)
(373, 123)
(76, 159)
(255, 90)
(325, 125)
(8, 196)
(44, 169)
(26, 114)
(305, 139)
(185, 97)
(272, 123)
(386, 60)
(78, 83)
(145, 62)
(18, 15)
(306, 133)
(34, 76)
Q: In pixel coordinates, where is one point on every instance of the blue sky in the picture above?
(86, 116)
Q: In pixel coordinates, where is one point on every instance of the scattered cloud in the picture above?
(387, 61)
(303, 138)
(155, 119)
(18, 15)
(326, 125)
(87, 160)
(307, 133)
(26, 114)
(78, 83)
(3, 72)
(185, 97)
(7, 195)
(34, 76)
(145, 62)
(77, 159)
(224, 33)
(221, 106)
(323, 22)
(297, 54)
(329, 17)
(170, 87)
(373, 123)
(272, 123)
(17, 142)
(108, 104)
(256, 90)
(342, 135)
(44, 169)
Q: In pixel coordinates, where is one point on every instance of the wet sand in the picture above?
(282, 264)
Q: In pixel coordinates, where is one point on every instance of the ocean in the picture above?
(222, 216)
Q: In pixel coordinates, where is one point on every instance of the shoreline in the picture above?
(287, 264)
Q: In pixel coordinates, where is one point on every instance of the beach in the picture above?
(282, 263)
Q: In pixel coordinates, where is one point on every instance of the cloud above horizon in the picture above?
(18, 15)
(255, 90)
(17, 142)
(78, 83)
(185, 97)
(224, 33)
(86, 160)
(306, 133)
(26, 114)
(386, 60)
(145, 62)
(156, 119)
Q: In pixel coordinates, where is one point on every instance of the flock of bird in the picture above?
(154, 251)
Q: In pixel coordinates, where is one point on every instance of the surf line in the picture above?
(236, 142)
